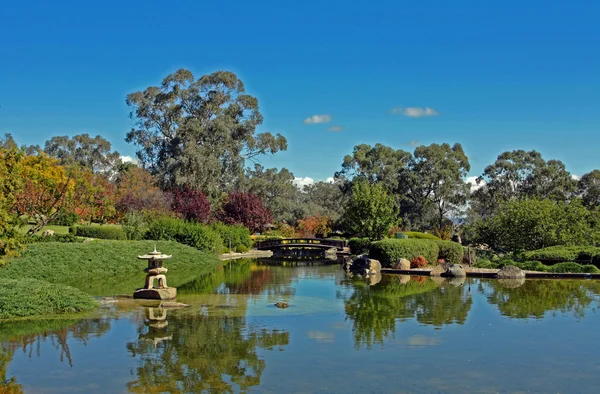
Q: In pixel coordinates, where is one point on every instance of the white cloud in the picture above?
(318, 119)
(576, 177)
(301, 182)
(330, 180)
(129, 159)
(414, 143)
(415, 112)
(336, 128)
(473, 181)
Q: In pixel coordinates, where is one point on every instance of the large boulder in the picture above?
(48, 233)
(438, 270)
(402, 264)
(362, 265)
(455, 271)
(511, 272)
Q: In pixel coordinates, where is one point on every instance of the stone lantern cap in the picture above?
(155, 255)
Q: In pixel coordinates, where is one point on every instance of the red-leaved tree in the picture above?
(191, 204)
(246, 209)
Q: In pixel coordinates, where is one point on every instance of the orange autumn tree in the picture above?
(95, 197)
(48, 190)
(311, 226)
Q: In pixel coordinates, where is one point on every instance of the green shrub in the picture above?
(588, 254)
(199, 236)
(359, 245)
(134, 226)
(418, 235)
(225, 250)
(52, 238)
(391, 250)
(233, 236)
(31, 297)
(451, 252)
(66, 219)
(573, 268)
(484, 263)
(99, 232)
(242, 249)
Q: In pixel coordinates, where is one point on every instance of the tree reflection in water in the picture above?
(28, 335)
(374, 310)
(535, 297)
(195, 352)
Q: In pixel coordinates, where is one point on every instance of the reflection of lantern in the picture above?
(156, 320)
(155, 273)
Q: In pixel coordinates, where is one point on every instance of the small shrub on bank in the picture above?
(451, 252)
(419, 235)
(418, 262)
(233, 236)
(242, 249)
(391, 250)
(134, 226)
(359, 245)
(199, 236)
(100, 232)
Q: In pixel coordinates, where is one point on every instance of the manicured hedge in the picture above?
(390, 250)
(359, 245)
(233, 236)
(199, 236)
(100, 232)
(566, 253)
(418, 235)
(574, 268)
(452, 252)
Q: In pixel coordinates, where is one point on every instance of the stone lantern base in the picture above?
(165, 293)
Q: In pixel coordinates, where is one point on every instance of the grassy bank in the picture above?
(105, 267)
(31, 297)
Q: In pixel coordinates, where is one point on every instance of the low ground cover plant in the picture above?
(31, 297)
(565, 267)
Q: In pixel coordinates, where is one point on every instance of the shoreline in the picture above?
(492, 273)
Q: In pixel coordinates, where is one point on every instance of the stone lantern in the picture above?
(155, 272)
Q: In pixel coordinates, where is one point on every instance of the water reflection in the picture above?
(221, 342)
(188, 352)
(534, 298)
(376, 310)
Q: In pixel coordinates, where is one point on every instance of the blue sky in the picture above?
(512, 75)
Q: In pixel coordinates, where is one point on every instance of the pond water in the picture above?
(339, 335)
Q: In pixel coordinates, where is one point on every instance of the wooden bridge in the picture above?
(272, 244)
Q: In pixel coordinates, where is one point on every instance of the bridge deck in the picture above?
(300, 243)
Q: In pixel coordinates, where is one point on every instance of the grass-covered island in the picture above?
(54, 278)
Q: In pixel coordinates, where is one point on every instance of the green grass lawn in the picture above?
(105, 267)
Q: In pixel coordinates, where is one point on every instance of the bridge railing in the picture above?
(273, 243)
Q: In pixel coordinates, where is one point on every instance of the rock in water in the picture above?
(362, 265)
(282, 305)
(455, 271)
(511, 272)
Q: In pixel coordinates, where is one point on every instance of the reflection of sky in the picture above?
(489, 352)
